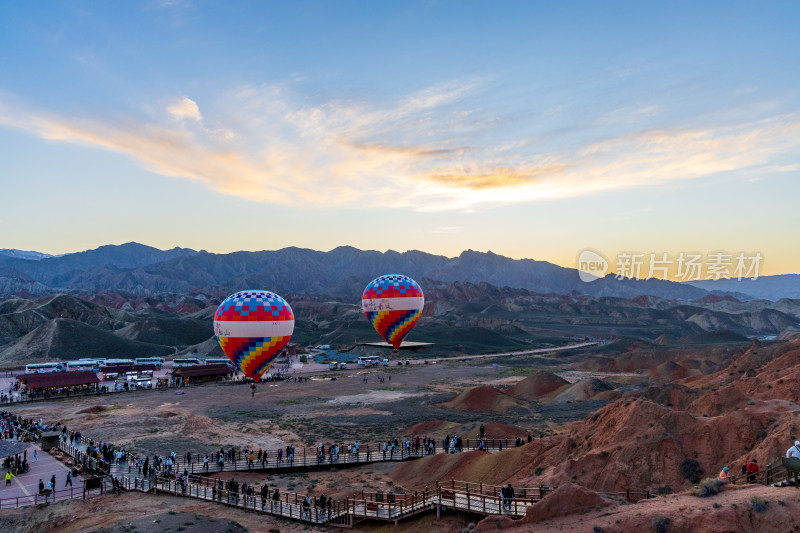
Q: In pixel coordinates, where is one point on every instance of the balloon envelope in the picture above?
(393, 304)
(252, 328)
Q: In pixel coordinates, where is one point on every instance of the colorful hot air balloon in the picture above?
(393, 304)
(252, 327)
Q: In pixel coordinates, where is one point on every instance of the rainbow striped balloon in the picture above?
(393, 304)
(252, 327)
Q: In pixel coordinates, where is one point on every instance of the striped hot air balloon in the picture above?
(393, 304)
(252, 328)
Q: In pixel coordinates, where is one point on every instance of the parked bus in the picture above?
(158, 361)
(220, 361)
(141, 383)
(43, 368)
(369, 360)
(83, 365)
(118, 362)
(191, 361)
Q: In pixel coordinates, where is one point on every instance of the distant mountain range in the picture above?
(762, 288)
(458, 317)
(23, 254)
(137, 269)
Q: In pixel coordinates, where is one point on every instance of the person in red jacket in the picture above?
(752, 470)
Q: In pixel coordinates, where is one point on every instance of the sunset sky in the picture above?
(531, 129)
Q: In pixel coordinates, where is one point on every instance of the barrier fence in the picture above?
(309, 457)
(51, 497)
(89, 465)
(372, 505)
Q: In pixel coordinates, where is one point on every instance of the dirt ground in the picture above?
(320, 410)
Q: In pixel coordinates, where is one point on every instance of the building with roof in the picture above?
(59, 383)
(199, 374)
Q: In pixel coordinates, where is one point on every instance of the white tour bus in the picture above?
(220, 361)
(369, 360)
(118, 362)
(43, 368)
(190, 361)
(158, 361)
(141, 383)
(83, 365)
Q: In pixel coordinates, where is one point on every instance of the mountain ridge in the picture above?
(138, 269)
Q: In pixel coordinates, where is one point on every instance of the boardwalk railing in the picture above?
(51, 497)
(90, 465)
(371, 505)
(290, 505)
(771, 474)
(307, 457)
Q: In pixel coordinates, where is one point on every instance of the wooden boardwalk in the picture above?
(475, 498)
(304, 459)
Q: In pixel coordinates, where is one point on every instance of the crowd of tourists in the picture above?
(16, 427)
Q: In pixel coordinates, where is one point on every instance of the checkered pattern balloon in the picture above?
(252, 328)
(393, 304)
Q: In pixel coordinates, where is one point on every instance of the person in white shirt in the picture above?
(794, 451)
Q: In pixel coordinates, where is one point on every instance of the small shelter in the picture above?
(59, 382)
(197, 374)
(50, 439)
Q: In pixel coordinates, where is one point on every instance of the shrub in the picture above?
(661, 524)
(538, 470)
(663, 490)
(710, 486)
(758, 505)
(690, 469)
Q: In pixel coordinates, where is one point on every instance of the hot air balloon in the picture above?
(393, 304)
(252, 328)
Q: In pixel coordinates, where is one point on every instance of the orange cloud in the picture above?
(490, 178)
(265, 147)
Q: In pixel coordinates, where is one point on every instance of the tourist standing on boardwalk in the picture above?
(507, 495)
(794, 451)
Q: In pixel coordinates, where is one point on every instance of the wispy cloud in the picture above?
(185, 108)
(431, 150)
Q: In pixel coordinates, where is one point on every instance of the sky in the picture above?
(530, 129)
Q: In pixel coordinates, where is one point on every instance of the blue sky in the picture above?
(530, 129)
